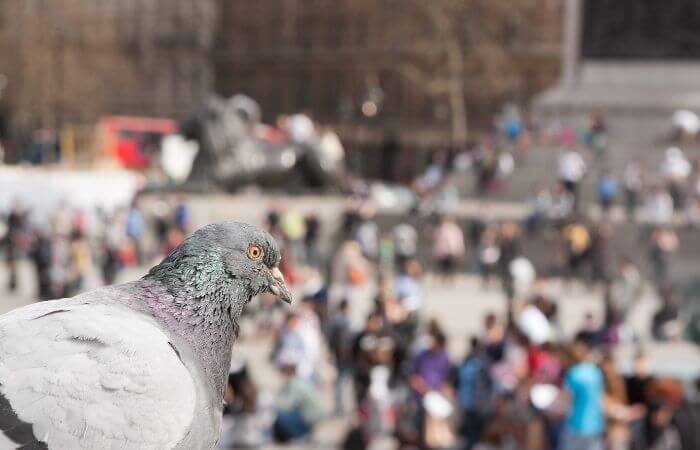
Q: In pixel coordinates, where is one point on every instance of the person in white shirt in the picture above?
(633, 178)
(448, 246)
(659, 207)
(676, 169)
(572, 169)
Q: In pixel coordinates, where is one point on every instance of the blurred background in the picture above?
(489, 211)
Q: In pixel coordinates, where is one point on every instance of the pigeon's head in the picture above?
(251, 253)
(227, 252)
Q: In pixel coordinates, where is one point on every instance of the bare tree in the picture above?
(71, 61)
(442, 43)
(462, 50)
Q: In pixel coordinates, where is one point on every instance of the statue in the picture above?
(232, 154)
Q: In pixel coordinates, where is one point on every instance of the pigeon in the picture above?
(140, 365)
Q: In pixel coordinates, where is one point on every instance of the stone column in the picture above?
(571, 44)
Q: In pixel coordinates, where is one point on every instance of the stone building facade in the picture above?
(333, 56)
(71, 61)
(346, 61)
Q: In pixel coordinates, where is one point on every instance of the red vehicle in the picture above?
(134, 141)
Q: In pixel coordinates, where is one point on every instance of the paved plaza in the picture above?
(460, 308)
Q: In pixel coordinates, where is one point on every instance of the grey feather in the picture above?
(140, 365)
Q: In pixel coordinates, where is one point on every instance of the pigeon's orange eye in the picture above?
(255, 252)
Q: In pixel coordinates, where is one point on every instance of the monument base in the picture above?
(623, 89)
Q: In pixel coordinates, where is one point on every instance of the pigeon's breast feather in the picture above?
(94, 376)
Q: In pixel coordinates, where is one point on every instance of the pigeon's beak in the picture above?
(278, 287)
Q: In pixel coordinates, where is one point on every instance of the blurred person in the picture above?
(372, 347)
(311, 240)
(543, 363)
(434, 174)
(288, 340)
(633, 180)
(541, 203)
(572, 169)
(293, 227)
(488, 253)
(695, 177)
(41, 256)
(182, 216)
(79, 222)
(614, 330)
(493, 337)
(477, 226)
(686, 125)
(676, 169)
(637, 383)
(533, 327)
(496, 436)
(505, 167)
(430, 368)
(60, 267)
(486, 165)
(298, 406)
(577, 242)
(173, 238)
(61, 220)
(666, 322)
(309, 330)
(367, 232)
(407, 288)
(350, 270)
(663, 242)
(109, 262)
(618, 414)
(596, 137)
(659, 206)
(584, 425)
(509, 367)
(660, 432)
(693, 212)
(474, 392)
(136, 228)
(405, 242)
(687, 418)
(429, 379)
(562, 205)
(601, 253)
(628, 286)
(241, 404)
(386, 261)
(273, 225)
(509, 250)
(591, 332)
(161, 221)
(14, 241)
(511, 124)
(81, 262)
(606, 188)
(408, 298)
(448, 246)
(340, 340)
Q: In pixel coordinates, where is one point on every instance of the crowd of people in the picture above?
(521, 385)
(75, 249)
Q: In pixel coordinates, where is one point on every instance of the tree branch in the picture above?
(431, 84)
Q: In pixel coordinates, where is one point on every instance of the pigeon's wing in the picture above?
(90, 376)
